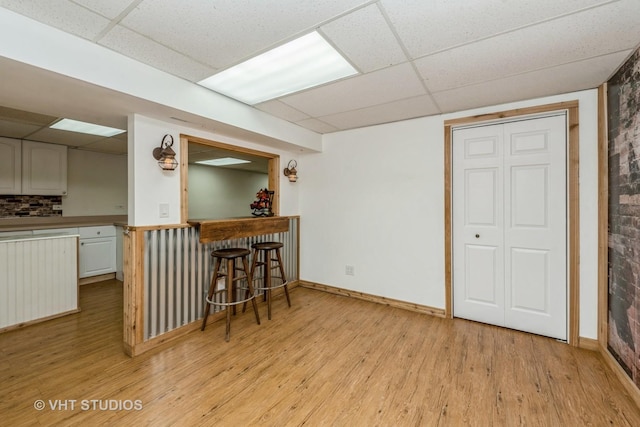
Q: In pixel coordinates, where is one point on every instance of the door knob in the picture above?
(477, 236)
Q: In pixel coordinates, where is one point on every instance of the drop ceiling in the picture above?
(415, 57)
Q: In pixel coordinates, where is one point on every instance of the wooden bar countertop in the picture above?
(212, 230)
(38, 223)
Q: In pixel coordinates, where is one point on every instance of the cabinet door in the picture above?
(44, 169)
(10, 166)
(97, 256)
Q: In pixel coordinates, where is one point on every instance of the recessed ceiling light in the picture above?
(84, 127)
(300, 64)
(224, 161)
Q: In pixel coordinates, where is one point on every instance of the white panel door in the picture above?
(535, 226)
(509, 234)
(478, 232)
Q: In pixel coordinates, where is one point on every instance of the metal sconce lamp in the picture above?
(291, 172)
(165, 155)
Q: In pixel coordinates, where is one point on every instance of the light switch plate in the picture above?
(164, 210)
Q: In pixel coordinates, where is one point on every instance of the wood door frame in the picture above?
(273, 168)
(573, 202)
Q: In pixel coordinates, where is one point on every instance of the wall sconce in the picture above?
(291, 172)
(165, 155)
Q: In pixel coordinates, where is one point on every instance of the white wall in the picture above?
(222, 193)
(374, 199)
(149, 186)
(96, 184)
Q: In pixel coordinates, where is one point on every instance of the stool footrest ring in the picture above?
(226, 304)
(272, 287)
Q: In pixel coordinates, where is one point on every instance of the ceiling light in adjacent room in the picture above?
(225, 161)
(84, 127)
(300, 64)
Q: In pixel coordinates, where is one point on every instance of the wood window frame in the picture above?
(273, 168)
(573, 166)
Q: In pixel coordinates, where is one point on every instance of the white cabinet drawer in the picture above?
(98, 231)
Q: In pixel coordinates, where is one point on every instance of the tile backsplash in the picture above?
(29, 206)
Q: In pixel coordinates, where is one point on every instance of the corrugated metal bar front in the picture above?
(178, 270)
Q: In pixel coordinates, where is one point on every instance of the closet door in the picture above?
(478, 224)
(509, 207)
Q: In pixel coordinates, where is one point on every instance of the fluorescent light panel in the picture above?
(84, 127)
(224, 161)
(300, 64)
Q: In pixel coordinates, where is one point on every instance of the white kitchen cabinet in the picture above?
(10, 166)
(97, 250)
(44, 169)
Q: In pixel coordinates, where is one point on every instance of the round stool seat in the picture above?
(229, 253)
(267, 245)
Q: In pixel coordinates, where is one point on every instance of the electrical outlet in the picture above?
(349, 270)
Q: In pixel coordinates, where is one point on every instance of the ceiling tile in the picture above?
(317, 126)
(562, 79)
(56, 136)
(25, 117)
(111, 9)
(366, 39)
(224, 32)
(576, 37)
(12, 129)
(426, 27)
(379, 87)
(394, 111)
(282, 110)
(134, 45)
(108, 145)
(61, 14)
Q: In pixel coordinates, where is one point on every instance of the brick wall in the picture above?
(624, 216)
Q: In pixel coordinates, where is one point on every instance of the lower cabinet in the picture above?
(97, 250)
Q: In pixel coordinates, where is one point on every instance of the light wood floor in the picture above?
(328, 360)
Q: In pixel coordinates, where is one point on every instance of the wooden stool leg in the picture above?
(267, 280)
(254, 261)
(212, 288)
(229, 285)
(284, 277)
(250, 286)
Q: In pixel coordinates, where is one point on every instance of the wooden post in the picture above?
(133, 319)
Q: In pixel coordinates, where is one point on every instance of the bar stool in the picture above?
(230, 255)
(266, 251)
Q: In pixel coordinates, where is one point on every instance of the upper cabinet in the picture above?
(10, 166)
(44, 169)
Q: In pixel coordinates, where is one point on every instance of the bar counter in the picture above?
(212, 230)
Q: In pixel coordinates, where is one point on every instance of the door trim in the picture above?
(573, 226)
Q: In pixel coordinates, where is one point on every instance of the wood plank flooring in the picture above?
(327, 360)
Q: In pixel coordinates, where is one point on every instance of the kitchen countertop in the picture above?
(39, 223)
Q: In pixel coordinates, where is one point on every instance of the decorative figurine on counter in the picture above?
(262, 205)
